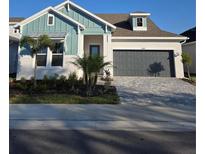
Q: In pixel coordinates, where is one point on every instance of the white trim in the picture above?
(68, 6)
(78, 29)
(43, 12)
(53, 21)
(69, 18)
(106, 30)
(142, 28)
(87, 12)
(150, 38)
(41, 54)
(57, 54)
(33, 17)
(95, 44)
(52, 38)
(59, 6)
(140, 14)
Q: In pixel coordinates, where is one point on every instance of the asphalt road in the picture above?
(100, 142)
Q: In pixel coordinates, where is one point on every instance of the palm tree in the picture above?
(91, 67)
(97, 63)
(36, 45)
(187, 61)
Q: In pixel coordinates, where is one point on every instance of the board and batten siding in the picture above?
(92, 25)
(61, 25)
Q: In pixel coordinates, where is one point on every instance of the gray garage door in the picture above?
(143, 63)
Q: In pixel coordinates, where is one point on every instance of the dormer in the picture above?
(138, 21)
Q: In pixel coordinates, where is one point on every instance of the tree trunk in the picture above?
(35, 68)
(188, 72)
(95, 80)
(88, 85)
(86, 79)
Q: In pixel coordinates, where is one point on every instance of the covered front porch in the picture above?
(93, 45)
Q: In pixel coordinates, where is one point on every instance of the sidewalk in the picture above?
(101, 117)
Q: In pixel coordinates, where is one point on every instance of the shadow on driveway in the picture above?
(100, 142)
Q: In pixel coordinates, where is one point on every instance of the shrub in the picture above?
(72, 81)
(45, 81)
(54, 77)
(62, 78)
(72, 77)
(45, 78)
(80, 81)
(22, 85)
(53, 80)
(187, 61)
(40, 88)
(61, 83)
(23, 80)
(107, 78)
(32, 79)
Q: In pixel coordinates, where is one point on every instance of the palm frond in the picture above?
(27, 40)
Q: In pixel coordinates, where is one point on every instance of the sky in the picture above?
(170, 15)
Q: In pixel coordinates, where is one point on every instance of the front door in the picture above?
(95, 51)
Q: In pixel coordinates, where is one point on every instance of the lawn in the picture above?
(63, 99)
(60, 92)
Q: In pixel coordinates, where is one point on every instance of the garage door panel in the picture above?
(143, 63)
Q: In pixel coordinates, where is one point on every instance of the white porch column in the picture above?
(80, 45)
(179, 68)
(49, 58)
(107, 52)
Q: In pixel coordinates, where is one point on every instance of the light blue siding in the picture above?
(40, 26)
(92, 25)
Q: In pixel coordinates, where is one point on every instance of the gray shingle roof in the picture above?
(121, 21)
(16, 19)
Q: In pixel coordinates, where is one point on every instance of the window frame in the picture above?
(58, 54)
(50, 15)
(41, 54)
(139, 22)
(94, 45)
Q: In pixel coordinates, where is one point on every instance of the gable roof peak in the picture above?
(58, 7)
(44, 11)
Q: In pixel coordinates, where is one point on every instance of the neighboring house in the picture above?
(131, 42)
(14, 37)
(190, 47)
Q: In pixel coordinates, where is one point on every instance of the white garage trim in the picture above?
(151, 45)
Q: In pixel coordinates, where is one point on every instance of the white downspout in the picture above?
(184, 41)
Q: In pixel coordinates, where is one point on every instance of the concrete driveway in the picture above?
(152, 104)
(143, 91)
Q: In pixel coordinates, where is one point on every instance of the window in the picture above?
(57, 54)
(50, 20)
(94, 50)
(139, 22)
(41, 57)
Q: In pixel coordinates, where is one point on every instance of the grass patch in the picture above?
(63, 99)
(192, 81)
